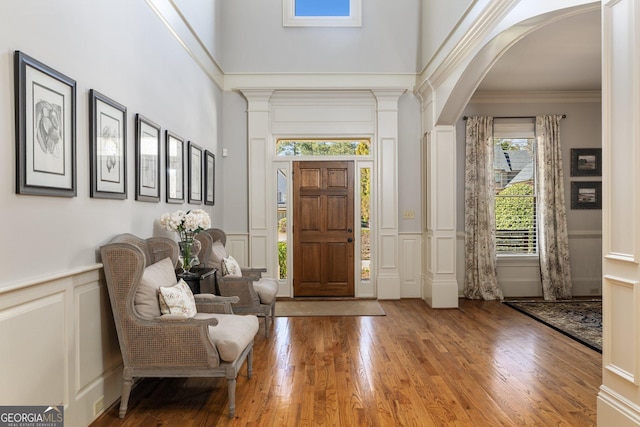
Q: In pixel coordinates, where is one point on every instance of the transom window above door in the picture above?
(321, 13)
(323, 147)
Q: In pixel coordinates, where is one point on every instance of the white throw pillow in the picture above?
(177, 299)
(156, 275)
(230, 267)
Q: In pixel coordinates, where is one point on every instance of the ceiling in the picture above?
(561, 56)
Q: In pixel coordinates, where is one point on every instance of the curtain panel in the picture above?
(481, 280)
(553, 245)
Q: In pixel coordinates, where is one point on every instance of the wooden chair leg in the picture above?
(250, 363)
(231, 384)
(126, 391)
(267, 325)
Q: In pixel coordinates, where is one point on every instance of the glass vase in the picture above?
(189, 250)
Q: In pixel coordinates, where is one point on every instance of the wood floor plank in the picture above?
(483, 364)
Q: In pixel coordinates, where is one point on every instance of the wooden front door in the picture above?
(323, 229)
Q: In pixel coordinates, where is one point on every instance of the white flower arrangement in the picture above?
(186, 224)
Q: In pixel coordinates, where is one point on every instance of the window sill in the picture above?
(518, 260)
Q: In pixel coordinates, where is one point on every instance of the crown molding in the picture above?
(533, 97)
(319, 81)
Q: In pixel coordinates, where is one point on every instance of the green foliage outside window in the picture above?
(310, 147)
(515, 219)
(515, 213)
(282, 259)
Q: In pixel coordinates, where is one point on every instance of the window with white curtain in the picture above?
(515, 186)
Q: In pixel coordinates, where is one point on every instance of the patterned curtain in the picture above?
(552, 218)
(481, 280)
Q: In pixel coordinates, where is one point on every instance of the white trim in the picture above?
(316, 81)
(184, 33)
(536, 97)
(289, 18)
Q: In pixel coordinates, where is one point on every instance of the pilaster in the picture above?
(387, 271)
(259, 149)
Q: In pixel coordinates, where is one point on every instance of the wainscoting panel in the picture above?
(33, 363)
(258, 256)
(388, 186)
(326, 113)
(238, 247)
(60, 345)
(410, 255)
(96, 336)
(388, 252)
(312, 119)
(619, 304)
(258, 184)
(445, 247)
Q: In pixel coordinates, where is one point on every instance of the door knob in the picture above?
(349, 240)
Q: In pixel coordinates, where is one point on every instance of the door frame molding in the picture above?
(362, 288)
(358, 113)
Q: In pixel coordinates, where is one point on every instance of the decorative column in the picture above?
(259, 149)
(387, 268)
(440, 286)
(619, 396)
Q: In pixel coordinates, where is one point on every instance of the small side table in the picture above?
(196, 276)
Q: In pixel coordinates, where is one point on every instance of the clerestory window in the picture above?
(322, 147)
(515, 188)
(321, 13)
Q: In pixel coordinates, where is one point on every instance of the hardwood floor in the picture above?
(484, 364)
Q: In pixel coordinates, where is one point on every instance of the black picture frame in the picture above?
(209, 178)
(147, 160)
(195, 173)
(586, 162)
(107, 147)
(174, 159)
(586, 195)
(45, 121)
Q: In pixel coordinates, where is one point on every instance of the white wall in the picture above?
(386, 42)
(205, 17)
(582, 128)
(130, 57)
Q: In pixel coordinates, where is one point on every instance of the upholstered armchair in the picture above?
(257, 294)
(197, 337)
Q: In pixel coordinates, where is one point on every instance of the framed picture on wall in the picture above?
(107, 147)
(209, 178)
(586, 195)
(586, 162)
(195, 173)
(147, 160)
(45, 108)
(174, 152)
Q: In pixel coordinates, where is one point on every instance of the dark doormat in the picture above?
(577, 319)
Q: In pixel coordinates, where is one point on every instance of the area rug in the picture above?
(328, 308)
(578, 319)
